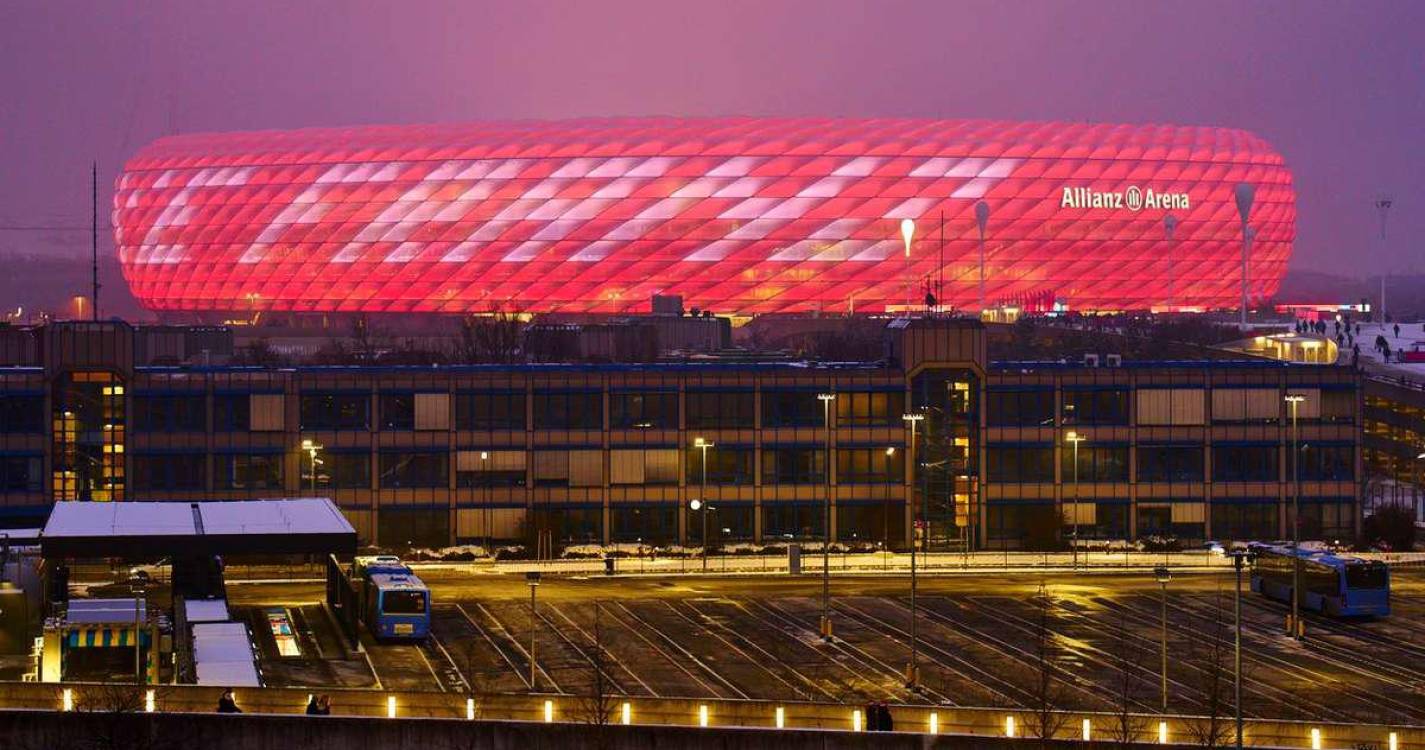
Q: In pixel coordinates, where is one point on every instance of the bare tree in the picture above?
(597, 704)
(490, 338)
(1126, 726)
(1211, 654)
(1047, 691)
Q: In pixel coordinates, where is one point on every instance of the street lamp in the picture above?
(136, 587)
(982, 220)
(703, 445)
(826, 399)
(1075, 438)
(1295, 401)
(1239, 558)
(1244, 195)
(1164, 575)
(1170, 225)
(532, 578)
(908, 234)
(312, 448)
(912, 670)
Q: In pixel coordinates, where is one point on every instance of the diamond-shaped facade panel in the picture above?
(738, 215)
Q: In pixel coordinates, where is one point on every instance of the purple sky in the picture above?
(1337, 87)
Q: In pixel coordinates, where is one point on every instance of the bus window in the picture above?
(403, 603)
(1369, 576)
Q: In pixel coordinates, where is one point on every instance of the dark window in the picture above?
(336, 411)
(726, 465)
(646, 524)
(1020, 408)
(341, 471)
(1245, 463)
(177, 471)
(712, 410)
(496, 410)
(22, 414)
(403, 602)
(726, 522)
(170, 413)
(568, 410)
(1031, 526)
(793, 521)
(1095, 406)
(418, 469)
(1019, 463)
(876, 408)
(1242, 521)
(871, 522)
(1370, 575)
(398, 411)
(782, 465)
(240, 471)
(231, 412)
(1326, 463)
(1098, 463)
(1170, 463)
(20, 474)
(792, 409)
(870, 466)
(656, 410)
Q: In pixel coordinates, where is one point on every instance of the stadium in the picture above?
(739, 216)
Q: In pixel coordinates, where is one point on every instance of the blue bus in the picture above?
(394, 602)
(1335, 585)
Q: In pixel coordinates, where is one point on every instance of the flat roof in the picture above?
(104, 611)
(155, 530)
(222, 654)
(205, 610)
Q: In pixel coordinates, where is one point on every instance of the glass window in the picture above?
(793, 521)
(340, 471)
(645, 524)
(171, 413)
(871, 522)
(418, 469)
(1244, 521)
(398, 411)
(869, 466)
(241, 471)
(655, 410)
(1327, 463)
(726, 465)
(793, 465)
(792, 409)
(1020, 407)
(1096, 406)
(1245, 463)
(1097, 463)
(336, 411)
(22, 414)
(403, 602)
(1030, 526)
(20, 474)
(1170, 463)
(173, 471)
(1019, 463)
(568, 410)
(727, 522)
(866, 409)
(232, 412)
(711, 410)
(490, 468)
(494, 410)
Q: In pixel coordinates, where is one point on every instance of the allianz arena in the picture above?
(736, 215)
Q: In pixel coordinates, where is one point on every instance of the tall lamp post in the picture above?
(532, 578)
(908, 234)
(702, 502)
(1295, 401)
(1244, 195)
(1075, 438)
(312, 448)
(982, 220)
(1239, 559)
(1383, 204)
(826, 399)
(1170, 225)
(1164, 575)
(912, 670)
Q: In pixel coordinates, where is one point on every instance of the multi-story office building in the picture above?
(1394, 440)
(1002, 454)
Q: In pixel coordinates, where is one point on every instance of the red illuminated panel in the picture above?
(742, 215)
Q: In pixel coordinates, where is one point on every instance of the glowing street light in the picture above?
(700, 503)
(1075, 438)
(908, 235)
(312, 448)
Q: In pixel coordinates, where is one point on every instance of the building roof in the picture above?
(153, 530)
(222, 654)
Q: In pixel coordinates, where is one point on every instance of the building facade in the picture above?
(1001, 455)
(740, 216)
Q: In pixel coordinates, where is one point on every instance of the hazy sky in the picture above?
(1337, 87)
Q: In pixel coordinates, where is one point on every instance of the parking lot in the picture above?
(1074, 642)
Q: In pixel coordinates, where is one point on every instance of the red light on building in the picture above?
(742, 215)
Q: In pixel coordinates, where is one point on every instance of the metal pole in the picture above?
(1246, 251)
(1075, 549)
(1295, 526)
(1237, 651)
(1164, 635)
(313, 454)
(533, 680)
(138, 622)
(826, 530)
(912, 674)
(704, 509)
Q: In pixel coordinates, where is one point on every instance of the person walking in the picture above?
(313, 706)
(227, 703)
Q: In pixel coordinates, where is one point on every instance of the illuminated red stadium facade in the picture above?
(738, 215)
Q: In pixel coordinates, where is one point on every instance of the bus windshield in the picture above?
(403, 603)
(1368, 576)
